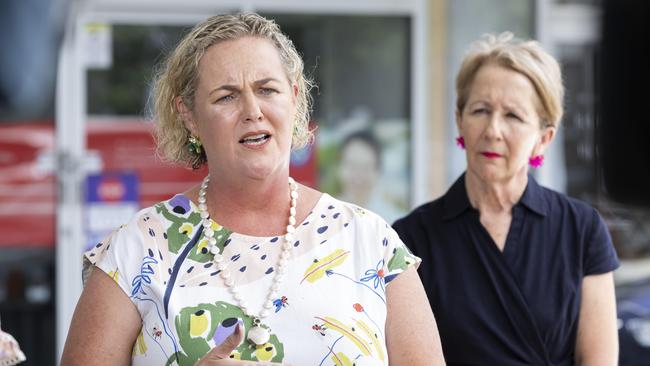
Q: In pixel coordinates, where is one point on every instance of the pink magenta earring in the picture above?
(460, 141)
(536, 161)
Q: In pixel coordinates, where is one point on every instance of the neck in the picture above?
(241, 204)
(495, 196)
(249, 194)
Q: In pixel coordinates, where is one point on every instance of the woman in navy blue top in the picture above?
(516, 274)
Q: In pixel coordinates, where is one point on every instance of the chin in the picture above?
(491, 174)
(261, 170)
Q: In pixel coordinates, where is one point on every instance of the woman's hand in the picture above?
(220, 355)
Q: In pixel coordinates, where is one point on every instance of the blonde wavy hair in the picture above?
(525, 57)
(178, 76)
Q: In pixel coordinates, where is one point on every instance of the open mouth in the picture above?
(255, 139)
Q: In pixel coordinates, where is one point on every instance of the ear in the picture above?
(548, 134)
(459, 120)
(186, 115)
(295, 92)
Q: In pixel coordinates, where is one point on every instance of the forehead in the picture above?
(493, 83)
(241, 60)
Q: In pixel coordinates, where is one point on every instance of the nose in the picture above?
(493, 128)
(251, 109)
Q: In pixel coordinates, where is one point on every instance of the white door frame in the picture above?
(71, 112)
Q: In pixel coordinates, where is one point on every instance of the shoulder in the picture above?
(355, 212)
(147, 227)
(563, 207)
(580, 223)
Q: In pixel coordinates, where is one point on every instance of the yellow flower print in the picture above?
(140, 346)
(265, 352)
(114, 275)
(349, 333)
(186, 229)
(203, 243)
(340, 359)
(320, 266)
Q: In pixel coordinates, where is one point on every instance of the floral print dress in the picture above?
(330, 308)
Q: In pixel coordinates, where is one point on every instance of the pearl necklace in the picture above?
(259, 334)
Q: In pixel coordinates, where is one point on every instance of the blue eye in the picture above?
(226, 98)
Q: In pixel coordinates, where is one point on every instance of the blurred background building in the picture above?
(76, 154)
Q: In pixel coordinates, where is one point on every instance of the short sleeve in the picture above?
(118, 256)
(600, 256)
(397, 256)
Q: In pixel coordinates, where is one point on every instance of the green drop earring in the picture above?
(194, 145)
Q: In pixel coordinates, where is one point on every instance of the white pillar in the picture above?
(70, 147)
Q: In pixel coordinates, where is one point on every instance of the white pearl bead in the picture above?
(222, 265)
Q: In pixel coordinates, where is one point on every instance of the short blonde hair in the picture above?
(178, 76)
(525, 57)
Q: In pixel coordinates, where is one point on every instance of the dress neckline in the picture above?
(324, 197)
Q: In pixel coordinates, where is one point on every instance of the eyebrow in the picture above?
(229, 87)
(517, 109)
(512, 107)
